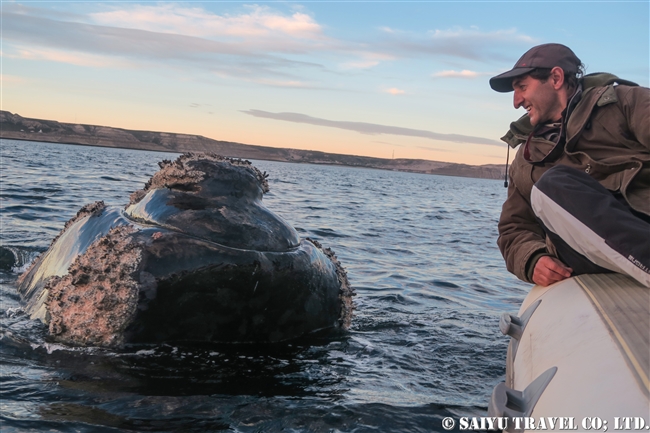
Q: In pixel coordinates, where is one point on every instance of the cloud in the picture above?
(12, 79)
(367, 60)
(362, 64)
(257, 44)
(284, 83)
(395, 91)
(434, 149)
(371, 128)
(127, 28)
(466, 43)
(70, 57)
(260, 21)
(475, 33)
(459, 74)
(84, 44)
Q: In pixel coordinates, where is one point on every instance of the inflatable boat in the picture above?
(578, 358)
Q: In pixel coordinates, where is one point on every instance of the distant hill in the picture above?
(21, 128)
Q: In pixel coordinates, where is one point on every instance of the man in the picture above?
(579, 191)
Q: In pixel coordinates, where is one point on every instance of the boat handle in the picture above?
(514, 325)
(508, 402)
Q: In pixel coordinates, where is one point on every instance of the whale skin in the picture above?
(194, 256)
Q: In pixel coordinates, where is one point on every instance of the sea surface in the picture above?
(424, 344)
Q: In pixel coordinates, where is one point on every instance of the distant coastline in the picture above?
(14, 126)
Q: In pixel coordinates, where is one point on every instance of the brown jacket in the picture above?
(608, 136)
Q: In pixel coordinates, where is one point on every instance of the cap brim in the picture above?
(503, 82)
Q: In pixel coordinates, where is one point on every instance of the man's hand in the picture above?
(549, 270)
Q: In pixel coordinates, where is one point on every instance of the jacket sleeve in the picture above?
(521, 238)
(636, 107)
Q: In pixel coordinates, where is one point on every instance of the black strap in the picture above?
(505, 181)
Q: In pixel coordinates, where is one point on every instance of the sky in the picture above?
(391, 79)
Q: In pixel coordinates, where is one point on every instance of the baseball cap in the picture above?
(541, 56)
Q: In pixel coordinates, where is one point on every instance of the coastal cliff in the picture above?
(14, 126)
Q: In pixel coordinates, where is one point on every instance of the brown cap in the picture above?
(541, 56)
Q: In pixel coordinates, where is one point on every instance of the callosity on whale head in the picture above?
(194, 256)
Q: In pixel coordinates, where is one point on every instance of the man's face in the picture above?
(540, 99)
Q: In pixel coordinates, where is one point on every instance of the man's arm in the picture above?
(522, 242)
(636, 107)
(549, 270)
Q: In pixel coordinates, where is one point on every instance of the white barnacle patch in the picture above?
(94, 303)
(346, 292)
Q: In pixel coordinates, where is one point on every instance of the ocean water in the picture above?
(424, 344)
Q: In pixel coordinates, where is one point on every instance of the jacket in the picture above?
(607, 136)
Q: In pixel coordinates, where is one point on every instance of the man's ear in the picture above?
(557, 77)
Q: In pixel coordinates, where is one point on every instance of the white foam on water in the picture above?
(24, 258)
(13, 312)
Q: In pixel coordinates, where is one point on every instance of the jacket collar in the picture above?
(600, 82)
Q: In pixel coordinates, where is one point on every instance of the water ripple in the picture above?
(420, 251)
